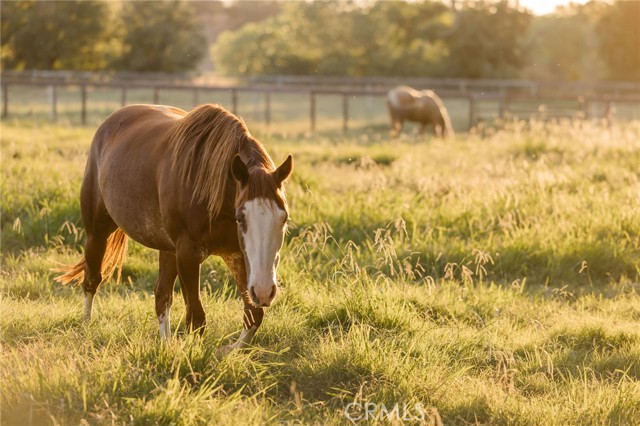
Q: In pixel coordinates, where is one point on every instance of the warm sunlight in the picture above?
(542, 7)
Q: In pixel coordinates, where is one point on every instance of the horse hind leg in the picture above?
(94, 253)
(103, 238)
(168, 271)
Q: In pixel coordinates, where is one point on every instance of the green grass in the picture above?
(493, 279)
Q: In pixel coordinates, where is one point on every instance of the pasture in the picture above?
(289, 113)
(493, 278)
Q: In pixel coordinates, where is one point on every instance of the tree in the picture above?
(55, 35)
(159, 36)
(619, 32)
(487, 42)
(564, 45)
(339, 38)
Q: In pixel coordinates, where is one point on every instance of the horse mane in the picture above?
(204, 143)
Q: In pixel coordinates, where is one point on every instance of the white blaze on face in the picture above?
(263, 238)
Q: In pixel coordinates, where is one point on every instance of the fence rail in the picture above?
(487, 86)
(504, 100)
(477, 86)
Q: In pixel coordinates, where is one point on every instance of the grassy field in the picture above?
(492, 280)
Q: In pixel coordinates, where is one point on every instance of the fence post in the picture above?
(345, 112)
(267, 108)
(156, 95)
(234, 101)
(585, 108)
(52, 93)
(5, 100)
(83, 93)
(196, 96)
(472, 111)
(501, 107)
(312, 110)
(608, 112)
(123, 96)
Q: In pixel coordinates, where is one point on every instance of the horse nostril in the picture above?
(254, 297)
(273, 292)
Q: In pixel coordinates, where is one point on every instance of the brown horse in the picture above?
(424, 107)
(189, 185)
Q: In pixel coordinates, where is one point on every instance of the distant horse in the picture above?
(189, 185)
(424, 107)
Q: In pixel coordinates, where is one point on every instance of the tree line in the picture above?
(480, 39)
(91, 35)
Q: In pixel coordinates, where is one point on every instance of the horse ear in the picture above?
(284, 170)
(239, 170)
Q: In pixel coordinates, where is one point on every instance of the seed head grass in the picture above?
(492, 278)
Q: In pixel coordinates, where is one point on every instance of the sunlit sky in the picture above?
(542, 7)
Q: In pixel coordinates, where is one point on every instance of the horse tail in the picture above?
(443, 118)
(447, 127)
(114, 256)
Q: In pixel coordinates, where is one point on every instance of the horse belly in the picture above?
(147, 229)
(141, 222)
(134, 206)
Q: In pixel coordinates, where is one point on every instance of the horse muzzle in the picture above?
(262, 296)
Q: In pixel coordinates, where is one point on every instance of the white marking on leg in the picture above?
(245, 338)
(88, 305)
(164, 320)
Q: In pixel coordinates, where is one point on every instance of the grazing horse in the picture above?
(188, 185)
(424, 107)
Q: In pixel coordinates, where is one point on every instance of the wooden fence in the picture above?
(461, 85)
(504, 101)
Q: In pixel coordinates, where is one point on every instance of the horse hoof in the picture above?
(225, 350)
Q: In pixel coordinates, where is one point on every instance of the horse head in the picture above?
(261, 217)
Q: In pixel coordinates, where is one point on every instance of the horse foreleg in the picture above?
(252, 318)
(164, 291)
(422, 129)
(438, 130)
(188, 266)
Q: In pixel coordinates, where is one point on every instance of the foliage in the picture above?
(493, 279)
(332, 38)
(619, 34)
(217, 16)
(160, 36)
(479, 40)
(487, 41)
(383, 38)
(157, 36)
(564, 45)
(55, 35)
